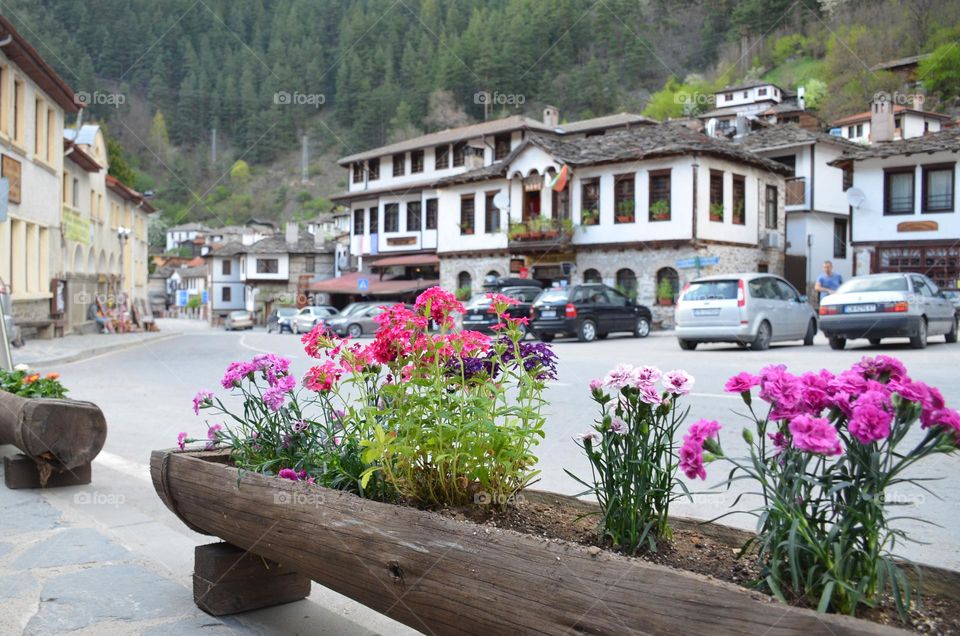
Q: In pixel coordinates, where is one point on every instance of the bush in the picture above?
(823, 458)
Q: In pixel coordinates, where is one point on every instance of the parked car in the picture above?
(748, 309)
(887, 306)
(6, 311)
(238, 320)
(308, 317)
(479, 314)
(953, 295)
(588, 311)
(279, 319)
(359, 320)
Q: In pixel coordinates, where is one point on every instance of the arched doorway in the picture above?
(78, 260)
(464, 286)
(627, 282)
(592, 276)
(668, 285)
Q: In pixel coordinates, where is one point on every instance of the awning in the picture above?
(350, 284)
(407, 259)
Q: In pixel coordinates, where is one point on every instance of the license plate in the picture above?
(706, 312)
(859, 309)
(548, 313)
(473, 318)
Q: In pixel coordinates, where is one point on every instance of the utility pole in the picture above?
(213, 146)
(305, 162)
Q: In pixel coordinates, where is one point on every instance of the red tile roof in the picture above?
(350, 284)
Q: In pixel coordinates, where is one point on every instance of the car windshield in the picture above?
(711, 290)
(478, 301)
(238, 314)
(874, 284)
(286, 313)
(952, 294)
(553, 295)
(353, 308)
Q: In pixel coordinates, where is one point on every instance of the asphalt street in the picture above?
(146, 395)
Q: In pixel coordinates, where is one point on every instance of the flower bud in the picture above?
(747, 436)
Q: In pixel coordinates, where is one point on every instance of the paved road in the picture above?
(146, 395)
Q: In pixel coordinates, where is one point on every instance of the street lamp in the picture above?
(123, 235)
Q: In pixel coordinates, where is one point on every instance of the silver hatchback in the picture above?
(748, 309)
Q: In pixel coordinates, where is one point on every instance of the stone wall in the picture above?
(477, 266)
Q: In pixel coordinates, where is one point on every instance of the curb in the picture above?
(80, 355)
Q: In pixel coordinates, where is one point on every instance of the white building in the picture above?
(183, 233)
(886, 121)
(905, 215)
(817, 213)
(747, 101)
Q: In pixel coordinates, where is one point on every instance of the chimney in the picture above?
(318, 234)
(917, 101)
(801, 98)
(881, 118)
(551, 116)
(293, 233)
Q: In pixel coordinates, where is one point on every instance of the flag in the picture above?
(559, 181)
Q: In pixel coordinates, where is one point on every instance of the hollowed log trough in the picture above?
(443, 576)
(57, 438)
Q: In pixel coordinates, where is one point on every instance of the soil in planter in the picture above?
(689, 550)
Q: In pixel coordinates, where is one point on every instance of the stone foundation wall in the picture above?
(476, 266)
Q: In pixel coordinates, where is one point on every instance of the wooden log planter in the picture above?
(57, 438)
(443, 576)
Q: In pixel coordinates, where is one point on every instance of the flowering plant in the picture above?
(824, 457)
(30, 384)
(632, 453)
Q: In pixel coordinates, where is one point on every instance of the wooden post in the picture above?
(21, 471)
(228, 580)
(57, 435)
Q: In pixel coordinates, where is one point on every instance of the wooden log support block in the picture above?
(20, 471)
(228, 580)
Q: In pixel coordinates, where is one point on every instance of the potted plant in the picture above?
(550, 228)
(463, 293)
(589, 217)
(716, 212)
(665, 292)
(567, 226)
(660, 210)
(739, 217)
(519, 232)
(625, 212)
(466, 229)
(536, 227)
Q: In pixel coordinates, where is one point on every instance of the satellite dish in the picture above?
(855, 197)
(501, 200)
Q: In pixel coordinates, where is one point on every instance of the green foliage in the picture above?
(940, 72)
(119, 167)
(815, 91)
(665, 290)
(194, 302)
(787, 47)
(464, 293)
(240, 172)
(30, 384)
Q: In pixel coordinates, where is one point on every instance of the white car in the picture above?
(878, 306)
(308, 317)
(748, 309)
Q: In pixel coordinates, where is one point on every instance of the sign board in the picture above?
(10, 169)
(183, 297)
(75, 227)
(697, 262)
(4, 198)
(205, 297)
(363, 284)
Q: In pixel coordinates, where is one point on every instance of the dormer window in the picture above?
(441, 157)
(357, 172)
(761, 92)
(501, 146)
(373, 165)
(459, 153)
(728, 97)
(399, 164)
(416, 161)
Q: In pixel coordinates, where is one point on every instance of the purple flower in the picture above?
(182, 440)
(288, 473)
(870, 422)
(274, 396)
(741, 383)
(677, 382)
(538, 358)
(780, 441)
(202, 398)
(300, 426)
(814, 435)
(881, 368)
(948, 418)
(646, 376)
(618, 426)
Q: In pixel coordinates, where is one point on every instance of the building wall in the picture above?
(249, 267)
(747, 96)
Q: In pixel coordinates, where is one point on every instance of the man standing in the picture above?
(827, 282)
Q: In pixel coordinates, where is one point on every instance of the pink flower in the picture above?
(783, 390)
(322, 378)
(677, 382)
(288, 473)
(590, 436)
(910, 390)
(814, 435)
(202, 398)
(780, 441)
(948, 418)
(623, 375)
(882, 368)
(213, 434)
(276, 394)
(650, 395)
(741, 383)
(596, 385)
(439, 305)
(646, 375)
(182, 440)
(870, 422)
(618, 426)
(691, 451)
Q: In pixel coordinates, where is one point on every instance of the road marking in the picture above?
(243, 343)
(125, 466)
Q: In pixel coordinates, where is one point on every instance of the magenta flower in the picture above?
(288, 473)
(780, 441)
(948, 418)
(677, 382)
(213, 431)
(274, 396)
(701, 430)
(646, 375)
(202, 398)
(650, 395)
(814, 435)
(182, 440)
(741, 383)
(691, 452)
(870, 422)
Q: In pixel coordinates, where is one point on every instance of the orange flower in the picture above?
(53, 375)
(30, 379)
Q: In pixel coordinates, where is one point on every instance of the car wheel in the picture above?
(837, 343)
(642, 328)
(920, 340)
(587, 331)
(874, 341)
(354, 330)
(811, 334)
(762, 341)
(687, 345)
(545, 337)
(951, 335)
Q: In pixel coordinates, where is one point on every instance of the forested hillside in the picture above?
(370, 71)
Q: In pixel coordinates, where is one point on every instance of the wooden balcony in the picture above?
(796, 191)
(540, 234)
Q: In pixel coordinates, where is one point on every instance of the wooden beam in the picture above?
(440, 575)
